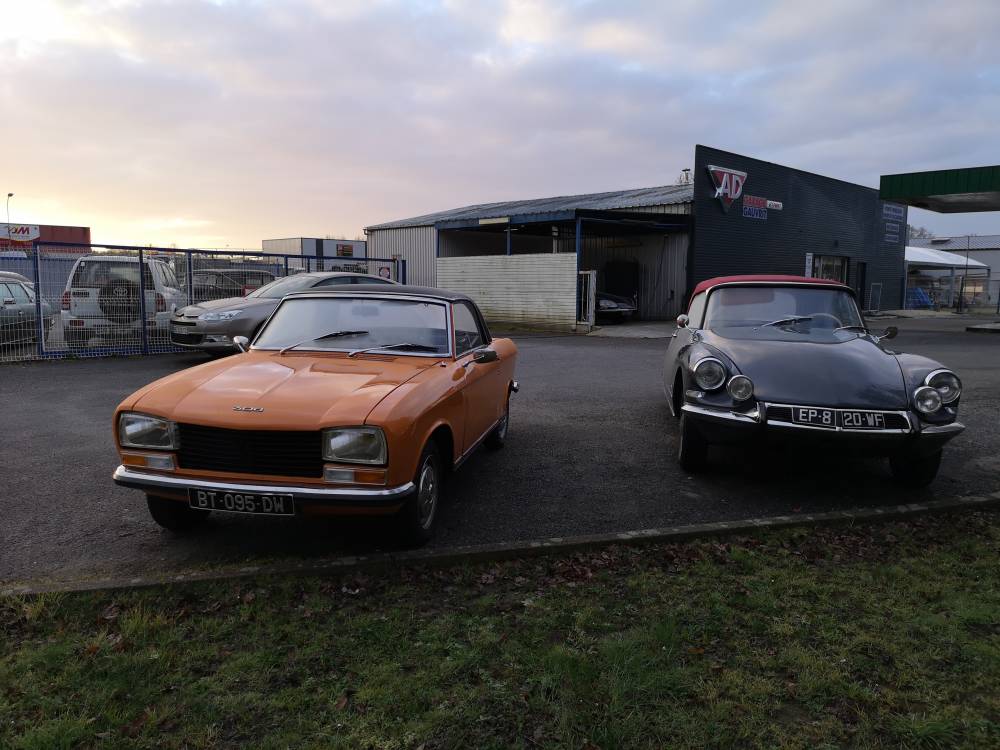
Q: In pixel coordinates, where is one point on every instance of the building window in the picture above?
(833, 267)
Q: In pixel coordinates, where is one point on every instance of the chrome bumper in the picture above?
(142, 480)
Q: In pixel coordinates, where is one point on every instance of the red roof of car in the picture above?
(760, 278)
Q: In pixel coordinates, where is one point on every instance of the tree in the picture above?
(918, 233)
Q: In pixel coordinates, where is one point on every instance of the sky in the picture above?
(219, 124)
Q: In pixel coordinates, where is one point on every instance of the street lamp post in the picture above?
(9, 196)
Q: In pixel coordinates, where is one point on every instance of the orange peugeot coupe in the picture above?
(347, 402)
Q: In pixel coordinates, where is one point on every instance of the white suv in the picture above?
(102, 299)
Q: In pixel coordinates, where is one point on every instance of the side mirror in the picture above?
(682, 321)
(483, 356)
(890, 333)
(241, 342)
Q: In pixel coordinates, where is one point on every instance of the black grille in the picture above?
(186, 338)
(280, 453)
(893, 421)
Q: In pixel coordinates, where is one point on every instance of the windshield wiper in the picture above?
(786, 321)
(852, 328)
(334, 335)
(404, 345)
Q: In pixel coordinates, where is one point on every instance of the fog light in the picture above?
(740, 387)
(217, 339)
(927, 399)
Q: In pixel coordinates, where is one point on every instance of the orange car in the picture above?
(348, 402)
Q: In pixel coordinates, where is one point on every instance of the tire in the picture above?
(77, 339)
(498, 437)
(692, 450)
(416, 519)
(173, 515)
(913, 470)
(119, 301)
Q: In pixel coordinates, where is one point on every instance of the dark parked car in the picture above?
(788, 357)
(614, 308)
(218, 283)
(212, 324)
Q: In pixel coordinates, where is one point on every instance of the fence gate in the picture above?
(59, 300)
(586, 298)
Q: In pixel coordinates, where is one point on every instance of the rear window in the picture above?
(97, 273)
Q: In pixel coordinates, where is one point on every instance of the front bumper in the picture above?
(342, 497)
(728, 425)
(211, 335)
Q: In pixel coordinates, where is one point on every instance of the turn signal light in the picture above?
(65, 301)
(338, 475)
(158, 461)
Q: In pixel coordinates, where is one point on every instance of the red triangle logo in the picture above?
(728, 184)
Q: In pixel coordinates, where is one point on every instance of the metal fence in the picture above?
(61, 300)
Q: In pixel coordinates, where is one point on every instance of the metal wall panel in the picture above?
(672, 208)
(528, 289)
(415, 245)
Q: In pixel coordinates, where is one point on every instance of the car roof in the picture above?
(763, 279)
(13, 275)
(403, 290)
(123, 258)
(231, 270)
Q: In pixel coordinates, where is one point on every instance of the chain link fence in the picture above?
(100, 300)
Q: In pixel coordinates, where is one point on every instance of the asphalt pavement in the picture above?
(590, 450)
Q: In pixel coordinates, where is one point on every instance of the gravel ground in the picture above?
(591, 450)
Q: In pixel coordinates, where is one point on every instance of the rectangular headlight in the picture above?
(144, 431)
(354, 445)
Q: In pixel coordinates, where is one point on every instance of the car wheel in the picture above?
(419, 515)
(692, 450)
(174, 515)
(913, 470)
(496, 439)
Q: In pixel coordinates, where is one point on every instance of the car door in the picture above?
(9, 316)
(483, 390)
(25, 310)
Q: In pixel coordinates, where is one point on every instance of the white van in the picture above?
(102, 299)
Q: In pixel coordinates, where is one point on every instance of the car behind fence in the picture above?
(59, 300)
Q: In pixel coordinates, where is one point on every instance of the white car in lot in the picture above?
(102, 299)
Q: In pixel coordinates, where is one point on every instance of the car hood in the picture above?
(258, 304)
(853, 373)
(295, 391)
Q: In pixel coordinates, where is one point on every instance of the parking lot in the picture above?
(591, 450)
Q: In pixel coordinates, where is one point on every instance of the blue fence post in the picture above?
(286, 265)
(142, 305)
(190, 277)
(39, 322)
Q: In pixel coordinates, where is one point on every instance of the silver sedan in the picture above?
(211, 325)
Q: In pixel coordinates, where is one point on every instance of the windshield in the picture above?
(280, 287)
(378, 323)
(782, 313)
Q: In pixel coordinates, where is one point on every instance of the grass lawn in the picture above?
(874, 636)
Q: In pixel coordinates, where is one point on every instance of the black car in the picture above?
(790, 358)
(614, 308)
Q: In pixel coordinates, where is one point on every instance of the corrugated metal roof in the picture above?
(926, 256)
(956, 244)
(614, 200)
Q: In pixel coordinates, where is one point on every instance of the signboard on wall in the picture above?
(19, 232)
(809, 265)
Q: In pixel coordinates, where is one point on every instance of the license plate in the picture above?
(811, 415)
(242, 502)
(179, 329)
(831, 418)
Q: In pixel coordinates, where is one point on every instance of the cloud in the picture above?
(307, 117)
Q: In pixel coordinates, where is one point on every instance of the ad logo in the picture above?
(728, 184)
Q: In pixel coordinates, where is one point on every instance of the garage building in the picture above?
(541, 261)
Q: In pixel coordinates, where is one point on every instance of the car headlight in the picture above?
(926, 399)
(144, 431)
(740, 387)
(354, 445)
(226, 315)
(709, 373)
(946, 383)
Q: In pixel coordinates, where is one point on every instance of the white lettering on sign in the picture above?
(20, 232)
(728, 184)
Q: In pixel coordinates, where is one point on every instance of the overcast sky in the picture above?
(222, 123)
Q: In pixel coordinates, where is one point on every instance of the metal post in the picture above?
(190, 277)
(508, 239)
(39, 323)
(286, 265)
(578, 241)
(142, 305)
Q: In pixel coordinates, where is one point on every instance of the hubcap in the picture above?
(427, 493)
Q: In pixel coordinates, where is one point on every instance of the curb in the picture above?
(984, 328)
(509, 550)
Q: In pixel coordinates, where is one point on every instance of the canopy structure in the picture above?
(946, 191)
(930, 277)
(928, 258)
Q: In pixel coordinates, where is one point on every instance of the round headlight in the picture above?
(926, 399)
(740, 387)
(709, 374)
(946, 384)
